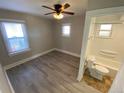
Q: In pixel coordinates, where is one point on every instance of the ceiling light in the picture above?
(58, 16)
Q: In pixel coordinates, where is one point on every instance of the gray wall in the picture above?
(99, 4)
(39, 31)
(72, 43)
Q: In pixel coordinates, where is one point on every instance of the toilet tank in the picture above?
(90, 61)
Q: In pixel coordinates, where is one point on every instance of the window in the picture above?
(105, 30)
(15, 37)
(66, 30)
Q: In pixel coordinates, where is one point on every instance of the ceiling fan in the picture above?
(58, 10)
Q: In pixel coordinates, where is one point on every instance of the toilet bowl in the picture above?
(96, 71)
(101, 69)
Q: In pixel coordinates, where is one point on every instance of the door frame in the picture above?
(89, 16)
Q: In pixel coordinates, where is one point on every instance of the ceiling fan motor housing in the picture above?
(58, 8)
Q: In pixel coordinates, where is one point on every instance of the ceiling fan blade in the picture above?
(48, 7)
(70, 13)
(66, 6)
(49, 13)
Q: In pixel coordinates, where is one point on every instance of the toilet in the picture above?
(96, 71)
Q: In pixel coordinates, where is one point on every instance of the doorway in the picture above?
(88, 22)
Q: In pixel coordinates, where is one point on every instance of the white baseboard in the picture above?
(33, 57)
(26, 60)
(37, 55)
(67, 52)
(10, 85)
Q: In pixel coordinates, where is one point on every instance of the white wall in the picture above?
(118, 84)
(115, 43)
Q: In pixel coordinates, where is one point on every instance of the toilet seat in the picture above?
(101, 69)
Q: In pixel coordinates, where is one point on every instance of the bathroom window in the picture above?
(105, 30)
(15, 37)
(66, 30)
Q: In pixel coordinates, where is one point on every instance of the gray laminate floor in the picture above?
(54, 72)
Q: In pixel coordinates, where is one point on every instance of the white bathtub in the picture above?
(113, 66)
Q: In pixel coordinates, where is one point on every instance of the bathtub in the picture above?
(113, 66)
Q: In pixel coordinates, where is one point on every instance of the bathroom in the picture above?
(105, 51)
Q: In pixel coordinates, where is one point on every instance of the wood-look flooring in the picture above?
(102, 86)
(54, 72)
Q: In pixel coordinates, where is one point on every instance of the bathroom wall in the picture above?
(118, 83)
(114, 44)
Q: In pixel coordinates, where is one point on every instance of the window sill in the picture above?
(104, 37)
(19, 52)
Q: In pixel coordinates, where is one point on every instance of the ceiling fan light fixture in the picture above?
(58, 16)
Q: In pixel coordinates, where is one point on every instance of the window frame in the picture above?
(5, 38)
(66, 24)
(98, 26)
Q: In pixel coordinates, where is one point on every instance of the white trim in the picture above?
(20, 52)
(10, 85)
(89, 16)
(30, 58)
(67, 52)
(6, 39)
(37, 55)
(26, 60)
(12, 20)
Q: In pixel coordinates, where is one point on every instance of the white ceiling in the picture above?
(34, 6)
